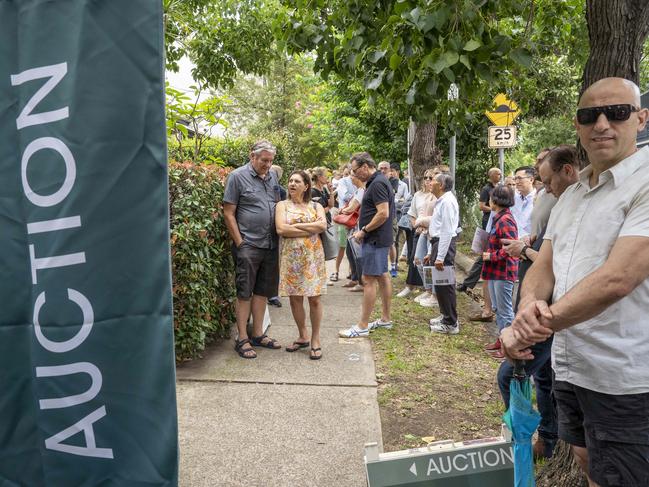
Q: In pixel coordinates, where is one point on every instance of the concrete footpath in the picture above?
(281, 419)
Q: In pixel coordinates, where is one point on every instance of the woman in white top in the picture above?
(420, 211)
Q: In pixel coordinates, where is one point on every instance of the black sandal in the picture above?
(313, 356)
(297, 346)
(238, 346)
(271, 343)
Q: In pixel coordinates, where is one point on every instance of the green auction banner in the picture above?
(87, 380)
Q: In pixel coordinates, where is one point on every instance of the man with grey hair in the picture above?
(442, 232)
(251, 193)
(594, 267)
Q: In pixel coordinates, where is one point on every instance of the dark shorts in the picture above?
(614, 429)
(256, 271)
(374, 259)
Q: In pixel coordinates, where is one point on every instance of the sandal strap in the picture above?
(241, 343)
(259, 342)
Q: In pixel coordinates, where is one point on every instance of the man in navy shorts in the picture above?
(375, 235)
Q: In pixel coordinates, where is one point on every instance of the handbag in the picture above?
(480, 241)
(404, 222)
(350, 220)
(330, 243)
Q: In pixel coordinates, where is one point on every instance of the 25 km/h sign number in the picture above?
(502, 137)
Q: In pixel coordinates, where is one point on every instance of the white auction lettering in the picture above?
(55, 150)
(475, 460)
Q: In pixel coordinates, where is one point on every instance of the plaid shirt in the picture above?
(501, 267)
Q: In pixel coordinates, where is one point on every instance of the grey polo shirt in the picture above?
(255, 198)
(610, 352)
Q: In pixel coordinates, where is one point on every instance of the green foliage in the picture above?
(203, 271)
(410, 50)
(229, 151)
(222, 38)
(537, 134)
(644, 68)
(322, 122)
(190, 121)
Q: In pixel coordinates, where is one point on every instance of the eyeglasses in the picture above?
(613, 113)
(428, 178)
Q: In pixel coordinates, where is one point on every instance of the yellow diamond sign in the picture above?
(504, 111)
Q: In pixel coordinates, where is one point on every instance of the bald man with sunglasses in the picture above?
(594, 266)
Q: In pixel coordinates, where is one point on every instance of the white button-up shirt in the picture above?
(444, 222)
(522, 212)
(346, 190)
(610, 352)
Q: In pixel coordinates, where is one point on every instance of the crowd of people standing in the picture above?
(576, 241)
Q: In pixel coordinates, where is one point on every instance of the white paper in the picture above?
(433, 277)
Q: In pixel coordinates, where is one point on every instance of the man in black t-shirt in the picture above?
(494, 175)
(375, 236)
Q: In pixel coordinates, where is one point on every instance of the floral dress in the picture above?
(302, 265)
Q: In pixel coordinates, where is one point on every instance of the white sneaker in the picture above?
(354, 332)
(404, 292)
(434, 321)
(374, 325)
(420, 296)
(428, 302)
(445, 329)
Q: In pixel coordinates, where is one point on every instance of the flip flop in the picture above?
(297, 346)
(312, 355)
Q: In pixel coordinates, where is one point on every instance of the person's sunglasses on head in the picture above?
(614, 113)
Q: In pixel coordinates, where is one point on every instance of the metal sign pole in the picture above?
(451, 156)
(452, 95)
(501, 160)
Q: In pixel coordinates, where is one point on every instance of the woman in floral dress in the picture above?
(299, 222)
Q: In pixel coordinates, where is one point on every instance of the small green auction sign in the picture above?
(86, 328)
(482, 463)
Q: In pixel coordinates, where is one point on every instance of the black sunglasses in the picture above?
(614, 113)
(428, 177)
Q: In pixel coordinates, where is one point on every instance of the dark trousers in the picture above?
(446, 294)
(541, 369)
(473, 276)
(353, 264)
(413, 278)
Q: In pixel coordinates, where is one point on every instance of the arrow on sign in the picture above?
(413, 469)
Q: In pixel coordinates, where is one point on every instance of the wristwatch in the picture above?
(364, 230)
(523, 252)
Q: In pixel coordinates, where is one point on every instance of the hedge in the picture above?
(232, 152)
(203, 271)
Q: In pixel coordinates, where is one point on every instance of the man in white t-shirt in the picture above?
(594, 265)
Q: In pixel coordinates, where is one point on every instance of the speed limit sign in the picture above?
(502, 137)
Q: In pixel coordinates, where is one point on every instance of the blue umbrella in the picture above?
(522, 419)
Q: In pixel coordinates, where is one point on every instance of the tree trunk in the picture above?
(561, 470)
(423, 150)
(617, 30)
